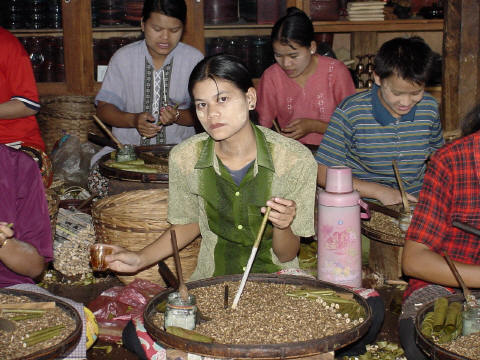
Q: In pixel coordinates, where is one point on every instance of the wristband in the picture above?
(177, 115)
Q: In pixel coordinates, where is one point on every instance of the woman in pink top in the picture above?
(303, 88)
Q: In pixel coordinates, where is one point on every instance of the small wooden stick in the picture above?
(406, 205)
(42, 305)
(252, 257)
(182, 288)
(469, 298)
(109, 133)
(277, 128)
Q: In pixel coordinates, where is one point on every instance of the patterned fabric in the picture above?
(451, 192)
(97, 183)
(18, 83)
(283, 98)
(124, 86)
(364, 136)
(153, 103)
(293, 171)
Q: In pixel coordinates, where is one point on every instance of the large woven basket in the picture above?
(133, 220)
(69, 114)
(53, 201)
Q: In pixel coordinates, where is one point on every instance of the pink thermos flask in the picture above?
(339, 258)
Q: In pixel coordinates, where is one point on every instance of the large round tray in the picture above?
(434, 351)
(118, 174)
(260, 351)
(69, 343)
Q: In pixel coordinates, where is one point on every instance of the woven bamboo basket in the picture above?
(69, 114)
(133, 220)
(53, 201)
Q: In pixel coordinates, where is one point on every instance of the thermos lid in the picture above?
(339, 180)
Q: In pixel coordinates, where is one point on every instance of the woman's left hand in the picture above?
(283, 212)
(168, 115)
(298, 128)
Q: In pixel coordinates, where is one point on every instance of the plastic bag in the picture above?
(116, 306)
(71, 160)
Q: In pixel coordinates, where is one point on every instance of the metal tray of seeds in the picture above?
(51, 352)
(433, 350)
(153, 155)
(261, 351)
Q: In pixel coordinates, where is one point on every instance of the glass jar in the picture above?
(180, 313)
(127, 153)
(471, 321)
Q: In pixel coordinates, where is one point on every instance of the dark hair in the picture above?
(222, 67)
(409, 58)
(296, 26)
(173, 8)
(471, 122)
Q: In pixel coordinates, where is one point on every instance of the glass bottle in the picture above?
(180, 313)
(257, 59)
(36, 57)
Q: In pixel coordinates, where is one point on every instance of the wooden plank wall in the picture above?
(461, 67)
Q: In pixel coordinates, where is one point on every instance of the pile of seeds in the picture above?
(15, 344)
(266, 315)
(467, 346)
(71, 248)
(384, 223)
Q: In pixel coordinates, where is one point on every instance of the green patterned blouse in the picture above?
(201, 190)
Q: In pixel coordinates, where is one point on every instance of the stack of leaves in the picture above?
(444, 323)
(381, 350)
(342, 303)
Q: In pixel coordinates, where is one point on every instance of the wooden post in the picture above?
(461, 61)
(78, 50)
(193, 34)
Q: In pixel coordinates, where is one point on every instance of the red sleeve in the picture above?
(17, 70)
(430, 224)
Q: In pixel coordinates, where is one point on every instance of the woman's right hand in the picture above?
(122, 260)
(5, 231)
(145, 124)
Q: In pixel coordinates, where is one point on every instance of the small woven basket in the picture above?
(69, 114)
(133, 220)
(53, 201)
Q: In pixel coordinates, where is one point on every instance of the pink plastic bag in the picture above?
(116, 306)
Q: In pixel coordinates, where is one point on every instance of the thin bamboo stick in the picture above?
(252, 257)
(406, 205)
(107, 130)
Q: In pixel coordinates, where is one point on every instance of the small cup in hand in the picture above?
(98, 252)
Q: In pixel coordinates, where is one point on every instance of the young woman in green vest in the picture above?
(222, 181)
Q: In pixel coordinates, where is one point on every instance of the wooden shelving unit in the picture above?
(78, 37)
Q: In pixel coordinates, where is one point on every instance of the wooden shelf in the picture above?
(37, 33)
(211, 31)
(328, 26)
(379, 26)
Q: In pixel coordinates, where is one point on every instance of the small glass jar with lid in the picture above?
(179, 312)
(471, 320)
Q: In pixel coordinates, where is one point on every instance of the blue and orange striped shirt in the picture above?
(364, 136)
